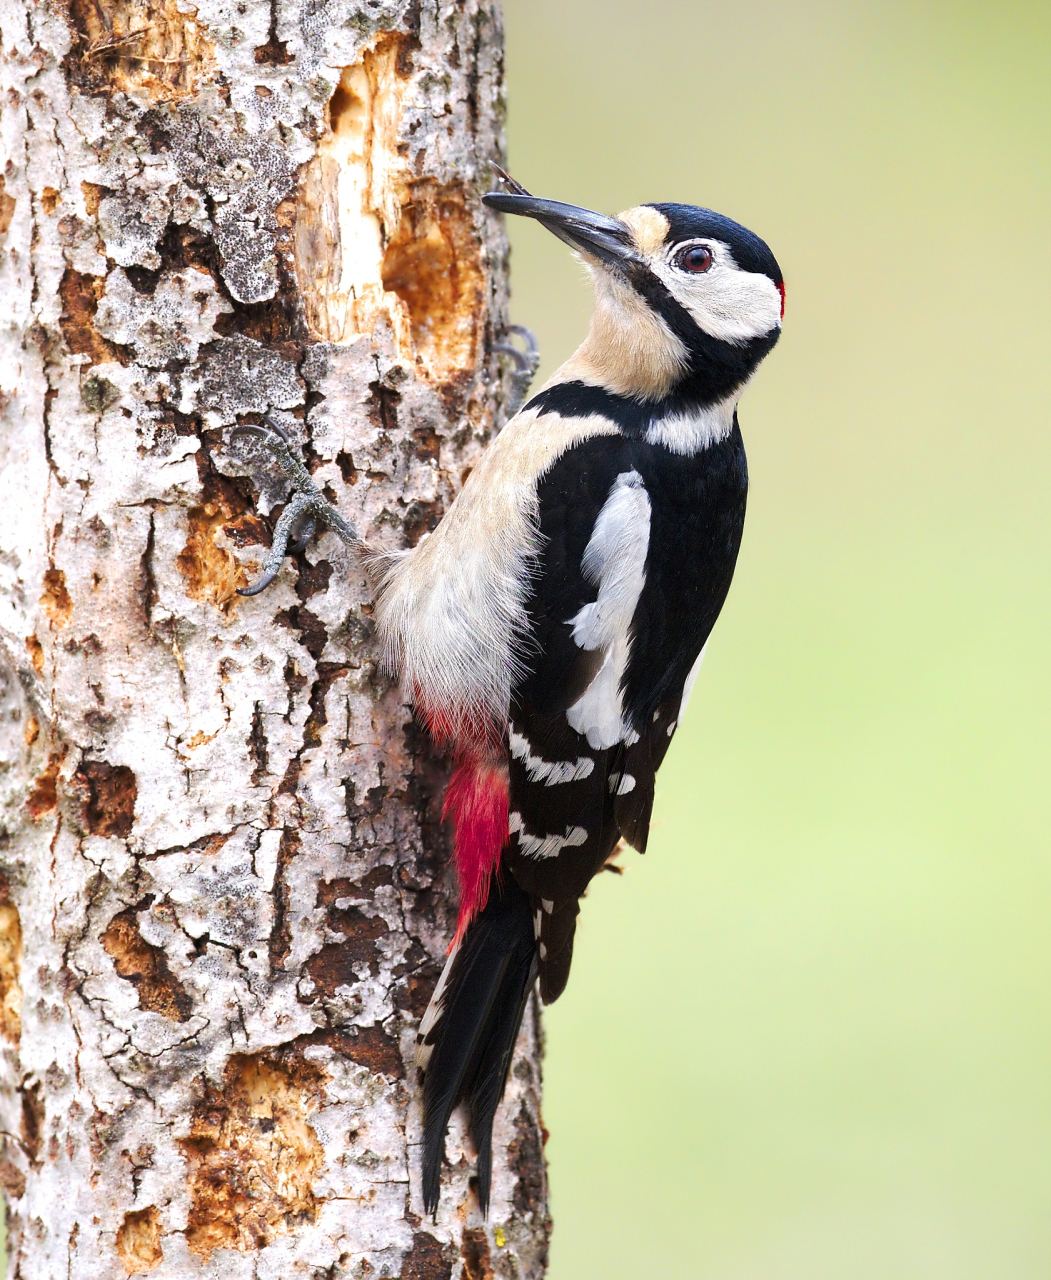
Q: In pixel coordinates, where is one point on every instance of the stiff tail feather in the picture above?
(468, 1034)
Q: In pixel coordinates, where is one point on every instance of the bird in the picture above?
(550, 629)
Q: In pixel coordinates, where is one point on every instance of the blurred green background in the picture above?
(807, 1036)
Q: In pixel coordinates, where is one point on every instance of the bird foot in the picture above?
(526, 364)
(306, 504)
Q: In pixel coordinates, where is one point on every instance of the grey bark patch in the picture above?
(170, 323)
(239, 375)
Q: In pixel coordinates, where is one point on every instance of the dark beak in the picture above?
(592, 233)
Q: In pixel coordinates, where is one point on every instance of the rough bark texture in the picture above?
(226, 891)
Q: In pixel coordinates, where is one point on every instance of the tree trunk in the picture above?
(227, 893)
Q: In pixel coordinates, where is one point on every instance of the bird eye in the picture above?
(698, 258)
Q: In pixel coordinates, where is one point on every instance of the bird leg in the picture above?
(526, 363)
(306, 503)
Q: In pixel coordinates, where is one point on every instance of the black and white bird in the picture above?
(551, 627)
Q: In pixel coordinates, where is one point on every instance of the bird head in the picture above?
(688, 299)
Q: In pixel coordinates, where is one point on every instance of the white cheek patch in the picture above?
(729, 304)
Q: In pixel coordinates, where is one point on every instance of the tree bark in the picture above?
(226, 889)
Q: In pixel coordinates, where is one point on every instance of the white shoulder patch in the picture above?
(451, 611)
(615, 560)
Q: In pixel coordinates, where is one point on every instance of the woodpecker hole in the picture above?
(433, 264)
(253, 1156)
(139, 1240)
(142, 47)
(10, 966)
(145, 966)
(376, 243)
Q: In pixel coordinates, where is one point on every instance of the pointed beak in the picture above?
(595, 234)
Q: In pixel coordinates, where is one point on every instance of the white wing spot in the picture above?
(621, 783)
(548, 846)
(549, 772)
(434, 1012)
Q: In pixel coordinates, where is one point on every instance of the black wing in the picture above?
(573, 793)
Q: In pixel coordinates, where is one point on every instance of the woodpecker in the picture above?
(550, 629)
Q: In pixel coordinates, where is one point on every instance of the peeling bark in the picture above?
(225, 892)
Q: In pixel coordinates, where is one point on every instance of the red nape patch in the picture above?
(781, 291)
(476, 800)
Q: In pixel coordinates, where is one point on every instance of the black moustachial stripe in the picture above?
(716, 369)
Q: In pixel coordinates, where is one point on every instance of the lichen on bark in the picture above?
(225, 890)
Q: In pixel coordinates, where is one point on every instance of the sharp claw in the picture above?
(266, 434)
(303, 541)
(261, 585)
(527, 360)
(246, 429)
(305, 500)
(526, 364)
(527, 336)
(519, 357)
(276, 426)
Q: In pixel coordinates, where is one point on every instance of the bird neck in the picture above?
(650, 350)
(629, 349)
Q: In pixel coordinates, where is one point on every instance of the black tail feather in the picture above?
(558, 927)
(470, 1039)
